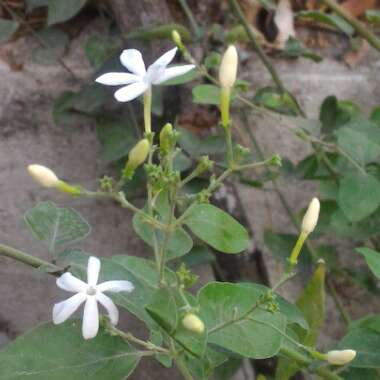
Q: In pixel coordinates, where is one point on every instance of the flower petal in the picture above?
(108, 304)
(173, 72)
(117, 79)
(70, 283)
(130, 92)
(155, 72)
(133, 61)
(93, 269)
(165, 58)
(90, 325)
(63, 310)
(115, 286)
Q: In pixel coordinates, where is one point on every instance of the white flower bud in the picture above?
(138, 153)
(228, 67)
(193, 323)
(310, 219)
(43, 175)
(340, 357)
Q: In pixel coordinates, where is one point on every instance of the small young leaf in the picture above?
(218, 229)
(60, 11)
(56, 226)
(206, 94)
(372, 258)
(52, 352)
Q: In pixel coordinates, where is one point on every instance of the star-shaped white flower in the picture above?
(139, 79)
(91, 293)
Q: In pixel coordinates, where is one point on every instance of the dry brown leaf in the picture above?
(284, 20)
(358, 7)
(354, 58)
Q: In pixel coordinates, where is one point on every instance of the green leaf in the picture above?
(360, 373)
(372, 258)
(206, 94)
(329, 19)
(162, 308)
(59, 353)
(117, 138)
(217, 228)
(312, 304)
(373, 16)
(54, 45)
(7, 28)
(159, 32)
(273, 100)
(375, 116)
(99, 49)
(196, 146)
(61, 11)
(366, 343)
(56, 226)
(182, 79)
(259, 336)
(295, 49)
(360, 139)
(359, 196)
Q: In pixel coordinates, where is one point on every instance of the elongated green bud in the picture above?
(340, 357)
(193, 323)
(228, 67)
(166, 138)
(310, 219)
(177, 39)
(137, 155)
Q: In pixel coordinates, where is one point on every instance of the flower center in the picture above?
(91, 291)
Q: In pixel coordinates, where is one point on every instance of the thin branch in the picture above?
(28, 259)
(357, 25)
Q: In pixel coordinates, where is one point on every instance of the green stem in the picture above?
(148, 111)
(357, 25)
(230, 150)
(183, 369)
(130, 337)
(168, 232)
(189, 14)
(293, 259)
(303, 360)
(30, 260)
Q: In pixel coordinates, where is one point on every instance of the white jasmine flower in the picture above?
(90, 293)
(139, 79)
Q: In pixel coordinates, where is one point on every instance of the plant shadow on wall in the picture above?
(202, 334)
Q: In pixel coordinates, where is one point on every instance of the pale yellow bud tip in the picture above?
(310, 219)
(43, 175)
(193, 323)
(177, 38)
(340, 357)
(228, 67)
